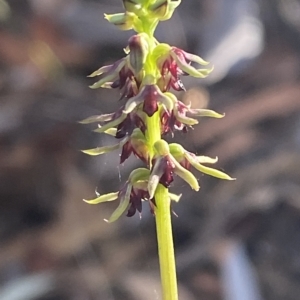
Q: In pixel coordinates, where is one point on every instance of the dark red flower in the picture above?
(136, 197)
(127, 126)
(150, 96)
(137, 145)
(163, 167)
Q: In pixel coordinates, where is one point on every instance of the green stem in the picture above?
(153, 131)
(163, 222)
(165, 244)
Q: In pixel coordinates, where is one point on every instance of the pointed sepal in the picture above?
(123, 205)
(205, 113)
(101, 150)
(186, 175)
(103, 198)
(175, 197)
(124, 21)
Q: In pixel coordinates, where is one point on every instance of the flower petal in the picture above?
(104, 80)
(132, 103)
(140, 149)
(111, 75)
(186, 175)
(206, 170)
(168, 101)
(175, 197)
(111, 131)
(156, 174)
(139, 174)
(171, 8)
(123, 21)
(111, 124)
(103, 198)
(123, 206)
(205, 113)
(195, 58)
(132, 6)
(98, 118)
(101, 150)
(213, 172)
(206, 160)
(126, 151)
(101, 70)
(141, 185)
(177, 151)
(159, 8)
(185, 120)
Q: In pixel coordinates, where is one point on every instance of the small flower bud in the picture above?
(132, 5)
(177, 151)
(162, 148)
(124, 21)
(159, 8)
(138, 52)
(171, 8)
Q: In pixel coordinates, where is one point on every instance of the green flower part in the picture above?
(164, 166)
(158, 9)
(177, 118)
(124, 21)
(139, 49)
(129, 196)
(102, 150)
(109, 74)
(186, 159)
(150, 96)
(132, 6)
(115, 121)
(171, 8)
(135, 143)
(103, 198)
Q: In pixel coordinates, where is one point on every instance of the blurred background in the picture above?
(234, 240)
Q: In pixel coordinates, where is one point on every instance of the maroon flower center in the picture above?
(150, 100)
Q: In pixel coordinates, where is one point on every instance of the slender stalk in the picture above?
(165, 244)
(153, 130)
(163, 224)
